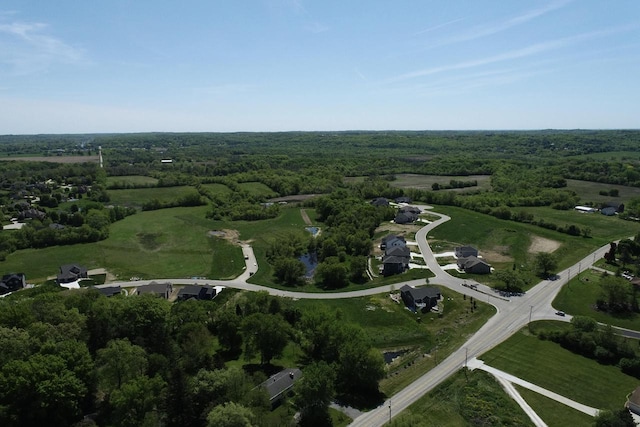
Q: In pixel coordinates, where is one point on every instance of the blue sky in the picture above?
(278, 65)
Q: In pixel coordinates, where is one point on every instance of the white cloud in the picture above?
(30, 47)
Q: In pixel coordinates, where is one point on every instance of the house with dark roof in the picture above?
(279, 384)
(608, 211)
(403, 199)
(162, 290)
(394, 265)
(396, 256)
(71, 272)
(12, 282)
(108, 290)
(473, 265)
(204, 292)
(380, 201)
(465, 251)
(423, 299)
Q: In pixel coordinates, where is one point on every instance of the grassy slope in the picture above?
(550, 366)
(131, 180)
(136, 197)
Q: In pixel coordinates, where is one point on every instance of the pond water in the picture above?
(310, 262)
(390, 355)
(312, 230)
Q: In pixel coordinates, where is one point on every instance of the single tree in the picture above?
(545, 262)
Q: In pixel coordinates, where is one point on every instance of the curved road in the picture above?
(511, 315)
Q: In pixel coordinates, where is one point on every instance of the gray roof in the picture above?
(281, 382)
(421, 293)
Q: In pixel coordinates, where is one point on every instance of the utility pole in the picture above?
(389, 411)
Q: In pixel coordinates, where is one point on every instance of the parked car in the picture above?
(560, 313)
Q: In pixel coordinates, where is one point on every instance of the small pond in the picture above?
(313, 230)
(310, 262)
(389, 356)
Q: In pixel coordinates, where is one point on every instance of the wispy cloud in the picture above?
(437, 27)
(487, 30)
(510, 55)
(30, 47)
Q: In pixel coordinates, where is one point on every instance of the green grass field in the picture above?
(579, 297)
(136, 197)
(167, 243)
(590, 191)
(257, 189)
(131, 180)
(548, 365)
(554, 413)
(216, 188)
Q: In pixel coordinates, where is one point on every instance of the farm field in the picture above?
(424, 182)
(257, 189)
(52, 159)
(550, 366)
(590, 191)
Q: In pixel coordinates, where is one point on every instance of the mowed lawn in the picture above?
(590, 191)
(550, 366)
(167, 243)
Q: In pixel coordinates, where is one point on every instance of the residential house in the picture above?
(465, 251)
(473, 265)
(279, 384)
(392, 240)
(162, 290)
(12, 282)
(396, 256)
(403, 199)
(380, 201)
(204, 292)
(108, 290)
(423, 299)
(71, 273)
(633, 401)
(608, 211)
(407, 215)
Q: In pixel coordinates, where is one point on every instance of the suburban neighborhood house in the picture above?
(204, 292)
(407, 215)
(71, 273)
(279, 384)
(162, 290)
(469, 262)
(396, 256)
(12, 282)
(420, 299)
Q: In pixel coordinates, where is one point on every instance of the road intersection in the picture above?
(512, 314)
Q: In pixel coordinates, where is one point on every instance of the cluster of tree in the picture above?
(241, 205)
(134, 361)
(454, 184)
(589, 339)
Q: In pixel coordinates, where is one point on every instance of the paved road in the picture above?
(512, 315)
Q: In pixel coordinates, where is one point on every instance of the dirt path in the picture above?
(305, 217)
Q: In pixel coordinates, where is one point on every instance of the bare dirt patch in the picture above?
(232, 236)
(497, 254)
(305, 217)
(540, 244)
